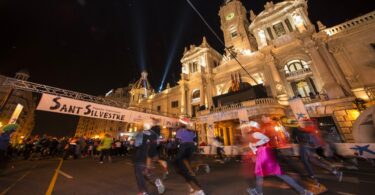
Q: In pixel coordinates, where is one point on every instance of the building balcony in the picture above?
(315, 98)
(237, 106)
(298, 73)
(253, 108)
(370, 91)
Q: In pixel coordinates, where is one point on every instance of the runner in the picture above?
(306, 136)
(104, 148)
(4, 143)
(186, 138)
(265, 162)
(146, 143)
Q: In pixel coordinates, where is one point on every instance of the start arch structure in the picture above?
(80, 104)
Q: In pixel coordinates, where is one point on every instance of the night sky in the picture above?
(92, 46)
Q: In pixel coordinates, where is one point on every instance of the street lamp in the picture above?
(1, 124)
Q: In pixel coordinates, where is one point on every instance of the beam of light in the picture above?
(173, 49)
(139, 34)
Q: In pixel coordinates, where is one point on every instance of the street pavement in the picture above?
(87, 176)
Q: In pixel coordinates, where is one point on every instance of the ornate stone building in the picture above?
(9, 99)
(282, 52)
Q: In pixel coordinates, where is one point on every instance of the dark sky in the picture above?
(92, 46)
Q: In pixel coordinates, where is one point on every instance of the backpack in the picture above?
(143, 137)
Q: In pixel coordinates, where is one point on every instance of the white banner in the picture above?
(349, 150)
(298, 109)
(16, 113)
(361, 150)
(64, 105)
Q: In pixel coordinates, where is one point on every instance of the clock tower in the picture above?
(234, 24)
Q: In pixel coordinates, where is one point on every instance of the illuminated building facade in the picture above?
(286, 56)
(9, 99)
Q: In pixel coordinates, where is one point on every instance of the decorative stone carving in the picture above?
(335, 49)
(269, 5)
(279, 87)
(321, 26)
(252, 15)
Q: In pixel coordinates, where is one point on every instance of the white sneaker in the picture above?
(159, 184)
(207, 169)
(200, 192)
(253, 191)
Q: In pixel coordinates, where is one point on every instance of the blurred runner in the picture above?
(145, 150)
(186, 138)
(265, 162)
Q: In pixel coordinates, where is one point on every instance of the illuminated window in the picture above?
(303, 89)
(279, 29)
(196, 94)
(262, 37)
(300, 23)
(295, 65)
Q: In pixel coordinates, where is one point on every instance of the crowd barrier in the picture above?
(365, 150)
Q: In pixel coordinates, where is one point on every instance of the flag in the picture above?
(237, 82)
(233, 83)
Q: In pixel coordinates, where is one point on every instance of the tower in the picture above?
(196, 82)
(140, 90)
(234, 24)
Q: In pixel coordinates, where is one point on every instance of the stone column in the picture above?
(332, 64)
(287, 85)
(183, 97)
(346, 65)
(319, 67)
(202, 92)
(210, 90)
(277, 87)
(268, 82)
(188, 101)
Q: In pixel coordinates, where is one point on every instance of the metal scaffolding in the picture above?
(40, 88)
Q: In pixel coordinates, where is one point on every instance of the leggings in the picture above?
(182, 162)
(287, 179)
(308, 157)
(141, 172)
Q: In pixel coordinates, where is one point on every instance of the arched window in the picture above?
(196, 94)
(295, 65)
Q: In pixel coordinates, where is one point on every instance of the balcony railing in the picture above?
(351, 24)
(315, 98)
(370, 92)
(263, 101)
(298, 72)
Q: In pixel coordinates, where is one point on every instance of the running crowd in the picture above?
(261, 152)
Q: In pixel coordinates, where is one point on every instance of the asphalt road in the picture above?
(87, 176)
